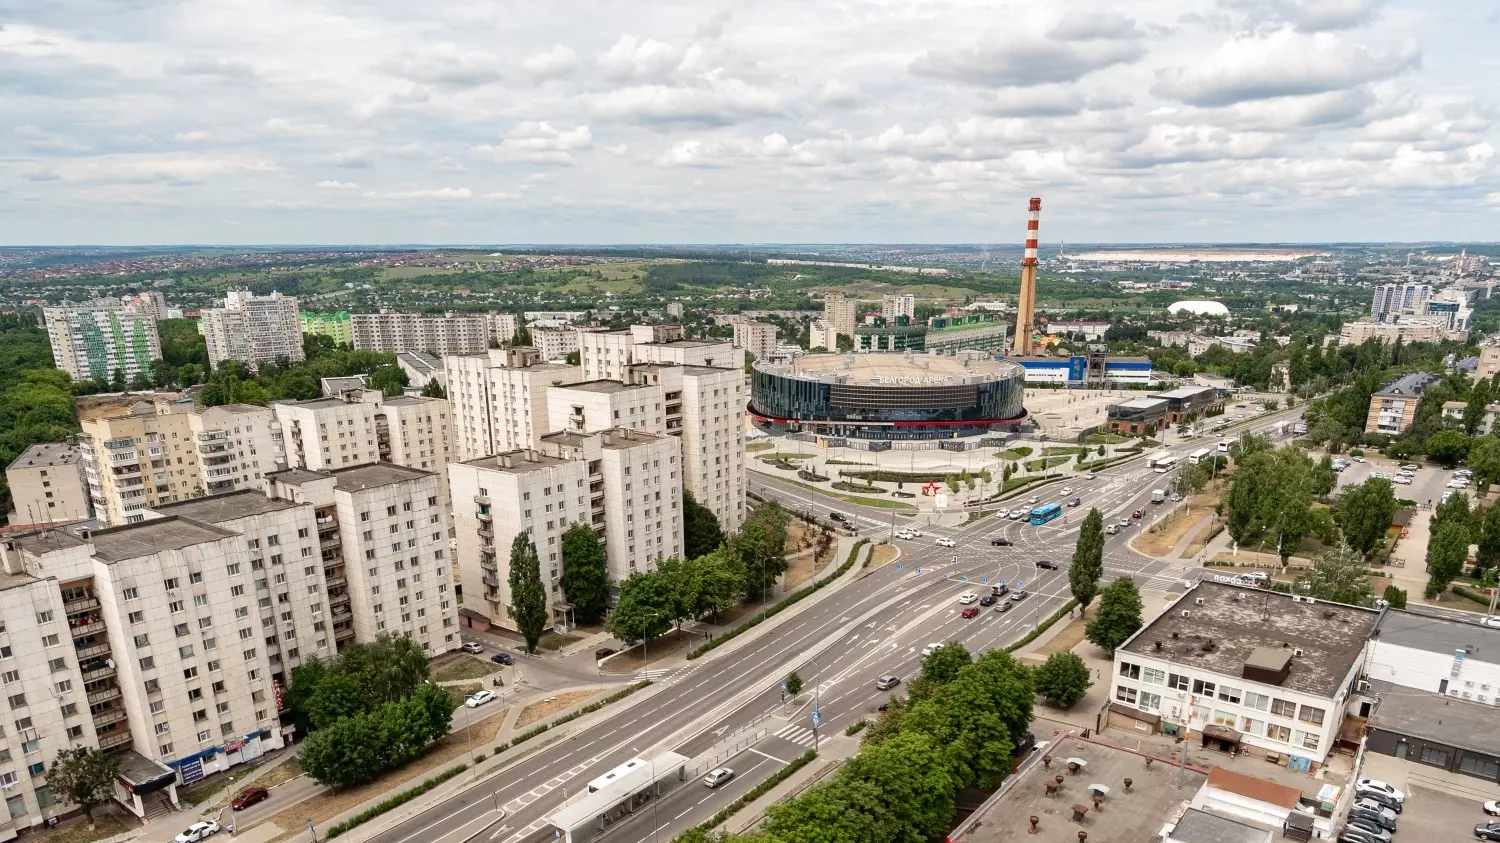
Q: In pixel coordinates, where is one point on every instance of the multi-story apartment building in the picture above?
(553, 318)
(441, 335)
(392, 535)
(502, 327)
(47, 485)
(253, 329)
(622, 482)
(149, 303)
(413, 431)
(838, 312)
(101, 339)
(757, 338)
(1396, 299)
(421, 368)
(334, 325)
(1248, 668)
(820, 334)
(499, 399)
(555, 343)
(599, 405)
(1406, 331)
(169, 451)
(326, 433)
(607, 355)
(1394, 406)
(898, 304)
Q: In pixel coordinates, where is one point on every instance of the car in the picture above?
(1004, 513)
(1112, 529)
(838, 516)
(883, 707)
(1369, 803)
(1364, 786)
(967, 597)
(1176, 498)
(1125, 522)
(1410, 467)
(1490, 621)
(1359, 459)
(930, 649)
(197, 831)
(887, 682)
(1033, 501)
(1000, 541)
(1046, 564)
(1492, 808)
(1371, 827)
(947, 543)
(988, 600)
(1459, 484)
(479, 698)
(1000, 590)
(913, 532)
(1090, 476)
(970, 612)
(1381, 817)
(1487, 830)
(717, 777)
(1018, 596)
(471, 647)
(1358, 834)
(1003, 606)
(1066, 490)
(1402, 480)
(249, 796)
(1016, 514)
(1139, 513)
(1075, 501)
(503, 657)
(1379, 800)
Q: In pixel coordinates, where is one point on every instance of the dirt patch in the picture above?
(444, 753)
(280, 774)
(552, 705)
(553, 641)
(459, 693)
(1159, 540)
(1063, 642)
(884, 554)
(759, 446)
(464, 666)
(629, 661)
(105, 825)
(1201, 540)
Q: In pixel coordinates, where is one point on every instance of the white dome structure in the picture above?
(1199, 308)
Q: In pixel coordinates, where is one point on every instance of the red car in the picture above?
(970, 611)
(1139, 513)
(250, 796)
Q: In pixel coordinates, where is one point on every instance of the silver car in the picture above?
(718, 777)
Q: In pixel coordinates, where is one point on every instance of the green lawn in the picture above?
(855, 499)
(469, 667)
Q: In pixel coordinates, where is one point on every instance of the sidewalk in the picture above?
(832, 753)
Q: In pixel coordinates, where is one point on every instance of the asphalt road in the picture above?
(875, 625)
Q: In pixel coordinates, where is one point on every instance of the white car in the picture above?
(1033, 501)
(478, 699)
(930, 649)
(1015, 514)
(1492, 808)
(914, 532)
(1067, 490)
(1379, 475)
(197, 831)
(1090, 476)
(904, 534)
(1459, 484)
(718, 777)
(968, 597)
(1491, 621)
(1402, 480)
(1378, 786)
(1004, 513)
(1112, 529)
(947, 543)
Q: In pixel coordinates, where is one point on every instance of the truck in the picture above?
(1158, 495)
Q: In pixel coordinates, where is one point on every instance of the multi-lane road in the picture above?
(873, 625)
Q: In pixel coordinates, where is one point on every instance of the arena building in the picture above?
(887, 396)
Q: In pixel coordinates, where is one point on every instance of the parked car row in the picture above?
(1372, 817)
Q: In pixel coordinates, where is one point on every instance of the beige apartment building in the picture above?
(47, 485)
(1354, 333)
(1394, 406)
(253, 329)
(499, 399)
(441, 335)
(757, 338)
(555, 343)
(898, 304)
(839, 313)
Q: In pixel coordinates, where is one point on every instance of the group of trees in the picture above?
(1270, 499)
(368, 709)
(36, 400)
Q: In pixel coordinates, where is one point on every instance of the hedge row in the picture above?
(588, 709)
(1043, 626)
(781, 604)
(396, 801)
(1461, 591)
(751, 795)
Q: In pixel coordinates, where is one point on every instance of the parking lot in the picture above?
(1428, 482)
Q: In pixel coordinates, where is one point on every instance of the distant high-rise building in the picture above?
(441, 335)
(675, 309)
(336, 326)
(820, 334)
(898, 304)
(838, 312)
(47, 486)
(1396, 299)
(101, 339)
(253, 329)
(554, 343)
(149, 303)
(499, 399)
(363, 426)
(758, 338)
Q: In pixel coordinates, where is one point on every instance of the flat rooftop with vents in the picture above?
(1264, 636)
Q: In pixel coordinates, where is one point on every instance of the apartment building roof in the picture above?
(705, 370)
(518, 461)
(1419, 631)
(373, 475)
(566, 437)
(686, 343)
(318, 403)
(620, 438)
(407, 400)
(44, 454)
(133, 541)
(216, 509)
(1408, 386)
(1435, 717)
(234, 408)
(1278, 639)
(296, 476)
(47, 541)
(605, 386)
(1202, 827)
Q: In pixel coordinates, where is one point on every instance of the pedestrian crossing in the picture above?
(670, 676)
(799, 735)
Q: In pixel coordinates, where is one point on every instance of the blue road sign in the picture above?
(918, 570)
(945, 575)
(817, 715)
(985, 580)
(899, 566)
(966, 577)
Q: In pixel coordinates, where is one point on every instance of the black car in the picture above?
(1487, 830)
(838, 516)
(1046, 565)
(503, 658)
(988, 600)
(1075, 502)
(1381, 819)
(1000, 541)
(1026, 744)
(1380, 799)
(1370, 827)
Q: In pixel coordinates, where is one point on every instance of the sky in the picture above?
(884, 121)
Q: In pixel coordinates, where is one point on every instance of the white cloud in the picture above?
(634, 60)
(444, 193)
(444, 65)
(714, 100)
(552, 63)
(1026, 62)
(336, 185)
(1283, 63)
(192, 137)
(539, 142)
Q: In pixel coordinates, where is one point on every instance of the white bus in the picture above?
(1224, 446)
(614, 775)
(1199, 456)
(1164, 464)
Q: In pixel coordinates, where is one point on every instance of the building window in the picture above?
(1283, 708)
(1130, 671)
(1231, 695)
(1435, 756)
(1260, 702)
(1150, 701)
(1204, 688)
(1282, 734)
(1483, 768)
(1308, 714)
(1125, 694)
(1177, 682)
(1250, 726)
(1153, 676)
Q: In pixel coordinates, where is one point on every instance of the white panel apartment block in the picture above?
(441, 335)
(253, 329)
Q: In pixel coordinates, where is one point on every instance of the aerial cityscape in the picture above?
(749, 424)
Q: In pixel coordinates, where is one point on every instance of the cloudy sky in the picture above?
(582, 121)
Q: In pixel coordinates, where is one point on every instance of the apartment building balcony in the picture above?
(337, 582)
(222, 458)
(213, 436)
(484, 517)
(340, 599)
(105, 695)
(328, 540)
(124, 458)
(212, 449)
(156, 452)
(482, 500)
(82, 604)
(491, 579)
(343, 633)
(324, 520)
(108, 716)
(487, 562)
(103, 671)
(91, 650)
(486, 531)
(674, 409)
(217, 486)
(596, 487)
(89, 627)
(492, 596)
(114, 740)
(118, 444)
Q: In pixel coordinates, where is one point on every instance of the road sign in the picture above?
(985, 580)
(783, 686)
(1020, 583)
(817, 715)
(899, 566)
(918, 570)
(965, 577)
(945, 575)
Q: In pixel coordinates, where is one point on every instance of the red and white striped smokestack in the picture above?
(1033, 224)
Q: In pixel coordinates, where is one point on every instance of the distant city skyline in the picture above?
(1184, 122)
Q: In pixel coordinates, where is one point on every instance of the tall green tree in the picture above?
(644, 609)
(1338, 575)
(1448, 446)
(1489, 539)
(1454, 510)
(944, 663)
(1446, 552)
(1088, 559)
(434, 389)
(1478, 401)
(1324, 478)
(83, 776)
(718, 582)
(911, 773)
(585, 580)
(1396, 597)
(700, 528)
(1118, 618)
(760, 548)
(389, 379)
(528, 597)
(1063, 680)
(1364, 514)
(1484, 461)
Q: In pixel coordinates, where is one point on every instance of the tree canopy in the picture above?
(1338, 575)
(1118, 618)
(528, 597)
(700, 528)
(1088, 559)
(1063, 679)
(585, 579)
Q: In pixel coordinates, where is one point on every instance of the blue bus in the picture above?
(1045, 513)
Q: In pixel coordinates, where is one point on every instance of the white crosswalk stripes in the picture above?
(799, 735)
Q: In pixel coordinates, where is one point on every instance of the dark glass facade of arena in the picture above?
(886, 412)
